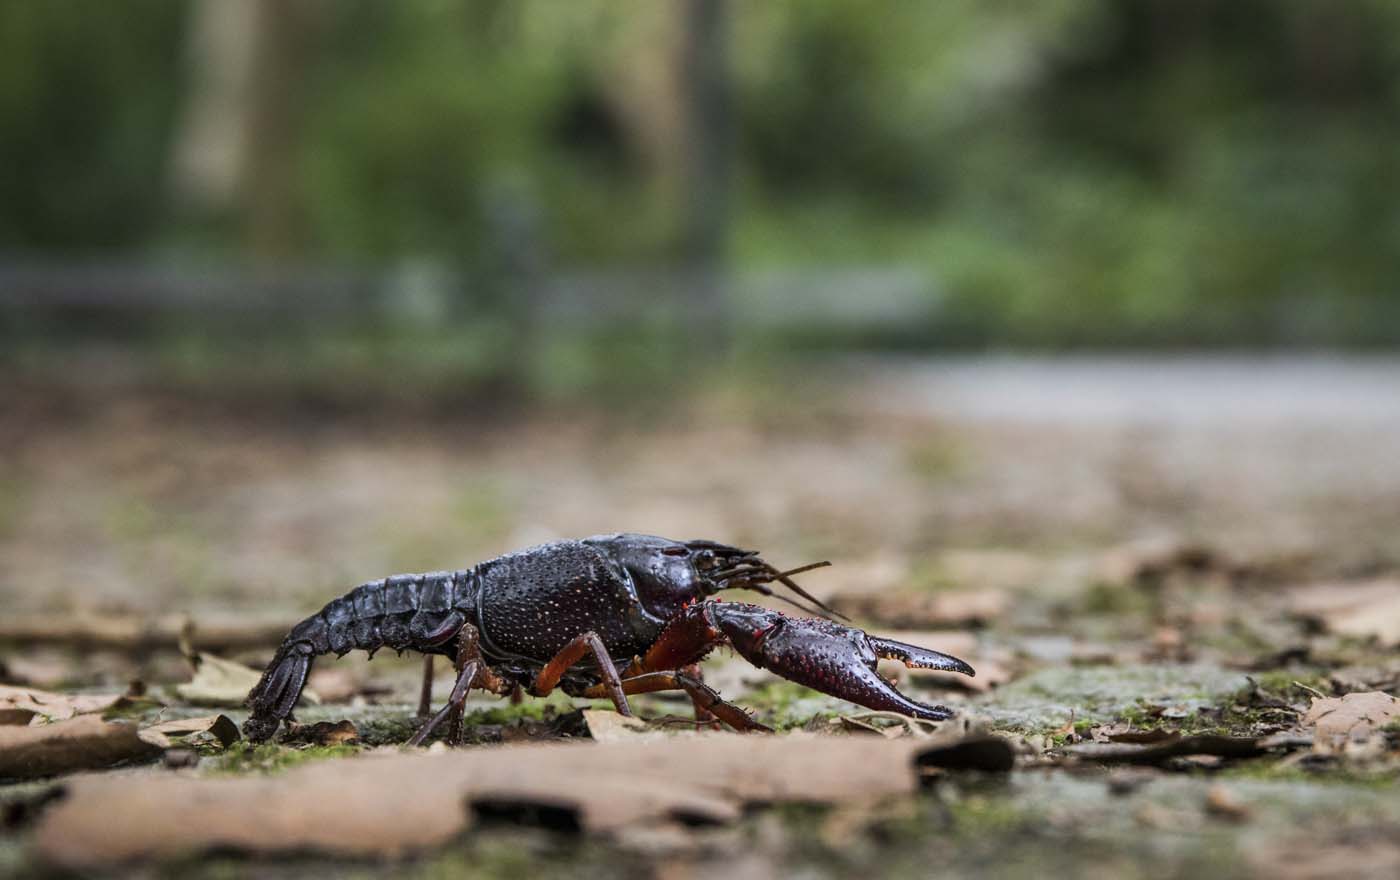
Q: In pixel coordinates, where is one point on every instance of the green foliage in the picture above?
(87, 99)
(1079, 172)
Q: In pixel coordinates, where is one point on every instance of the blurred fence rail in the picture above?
(859, 298)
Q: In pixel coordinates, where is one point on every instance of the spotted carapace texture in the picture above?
(562, 614)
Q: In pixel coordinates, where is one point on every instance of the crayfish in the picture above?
(556, 616)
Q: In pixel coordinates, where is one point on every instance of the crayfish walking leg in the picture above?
(469, 665)
(425, 694)
(573, 652)
(709, 705)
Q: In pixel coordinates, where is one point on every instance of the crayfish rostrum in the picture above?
(560, 614)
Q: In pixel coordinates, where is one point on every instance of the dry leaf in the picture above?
(392, 804)
(82, 743)
(220, 682)
(1350, 718)
(606, 726)
(54, 707)
(20, 717)
(864, 723)
(1123, 732)
(323, 733)
(1361, 608)
(220, 728)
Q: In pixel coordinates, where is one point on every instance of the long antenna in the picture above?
(783, 577)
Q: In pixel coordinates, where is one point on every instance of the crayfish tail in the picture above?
(274, 696)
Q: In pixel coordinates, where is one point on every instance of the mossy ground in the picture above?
(194, 510)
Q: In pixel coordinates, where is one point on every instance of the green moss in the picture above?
(242, 758)
(784, 705)
(1045, 701)
(1284, 682)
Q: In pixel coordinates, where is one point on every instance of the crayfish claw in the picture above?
(824, 655)
(915, 657)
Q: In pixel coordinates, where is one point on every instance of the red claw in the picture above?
(828, 657)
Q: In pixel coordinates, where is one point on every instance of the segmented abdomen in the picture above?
(403, 611)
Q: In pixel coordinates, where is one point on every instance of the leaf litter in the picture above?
(25, 705)
(1365, 609)
(86, 742)
(1349, 720)
(390, 803)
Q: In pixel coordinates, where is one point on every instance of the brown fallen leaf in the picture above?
(16, 716)
(323, 733)
(606, 726)
(1365, 609)
(219, 682)
(54, 707)
(1123, 732)
(83, 743)
(391, 804)
(887, 724)
(219, 728)
(1352, 718)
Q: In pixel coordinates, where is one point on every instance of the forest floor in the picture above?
(1178, 580)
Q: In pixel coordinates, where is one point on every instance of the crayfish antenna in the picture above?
(785, 578)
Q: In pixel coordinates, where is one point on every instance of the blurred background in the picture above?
(294, 293)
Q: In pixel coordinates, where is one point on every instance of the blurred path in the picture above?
(1288, 391)
(883, 464)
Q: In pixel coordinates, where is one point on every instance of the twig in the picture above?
(1310, 690)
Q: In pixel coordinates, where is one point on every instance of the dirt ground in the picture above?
(1126, 549)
